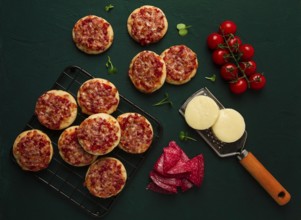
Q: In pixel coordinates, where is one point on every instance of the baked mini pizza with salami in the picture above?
(71, 151)
(181, 64)
(147, 71)
(106, 177)
(56, 109)
(136, 133)
(92, 34)
(147, 24)
(98, 95)
(99, 134)
(33, 150)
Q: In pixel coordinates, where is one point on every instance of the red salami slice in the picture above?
(155, 188)
(157, 181)
(175, 170)
(197, 170)
(172, 181)
(186, 184)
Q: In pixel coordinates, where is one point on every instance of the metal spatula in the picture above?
(246, 159)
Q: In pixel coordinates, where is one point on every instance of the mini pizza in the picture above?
(33, 150)
(147, 24)
(106, 177)
(147, 71)
(56, 109)
(98, 96)
(229, 126)
(71, 151)
(181, 64)
(92, 34)
(136, 133)
(99, 134)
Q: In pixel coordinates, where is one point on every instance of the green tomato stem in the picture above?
(236, 60)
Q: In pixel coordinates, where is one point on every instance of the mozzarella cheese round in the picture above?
(201, 112)
(229, 126)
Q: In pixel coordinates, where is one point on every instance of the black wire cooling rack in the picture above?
(69, 180)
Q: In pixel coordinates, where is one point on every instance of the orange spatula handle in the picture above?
(265, 178)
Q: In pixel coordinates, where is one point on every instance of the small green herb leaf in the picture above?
(110, 66)
(183, 29)
(184, 136)
(211, 78)
(181, 26)
(166, 100)
(183, 32)
(109, 7)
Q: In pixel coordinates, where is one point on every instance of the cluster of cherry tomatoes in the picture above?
(235, 59)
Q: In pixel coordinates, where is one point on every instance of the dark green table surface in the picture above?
(36, 45)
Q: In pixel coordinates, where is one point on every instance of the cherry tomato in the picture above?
(247, 52)
(248, 67)
(239, 86)
(257, 81)
(234, 43)
(220, 56)
(214, 40)
(229, 71)
(227, 27)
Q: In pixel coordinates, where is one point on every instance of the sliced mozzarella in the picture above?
(201, 112)
(229, 126)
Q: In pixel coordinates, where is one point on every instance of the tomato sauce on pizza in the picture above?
(70, 149)
(181, 64)
(99, 134)
(106, 177)
(98, 96)
(33, 150)
(92, 34)
(56, 109)
(147, 24)
(147, 71)
(136, 133)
